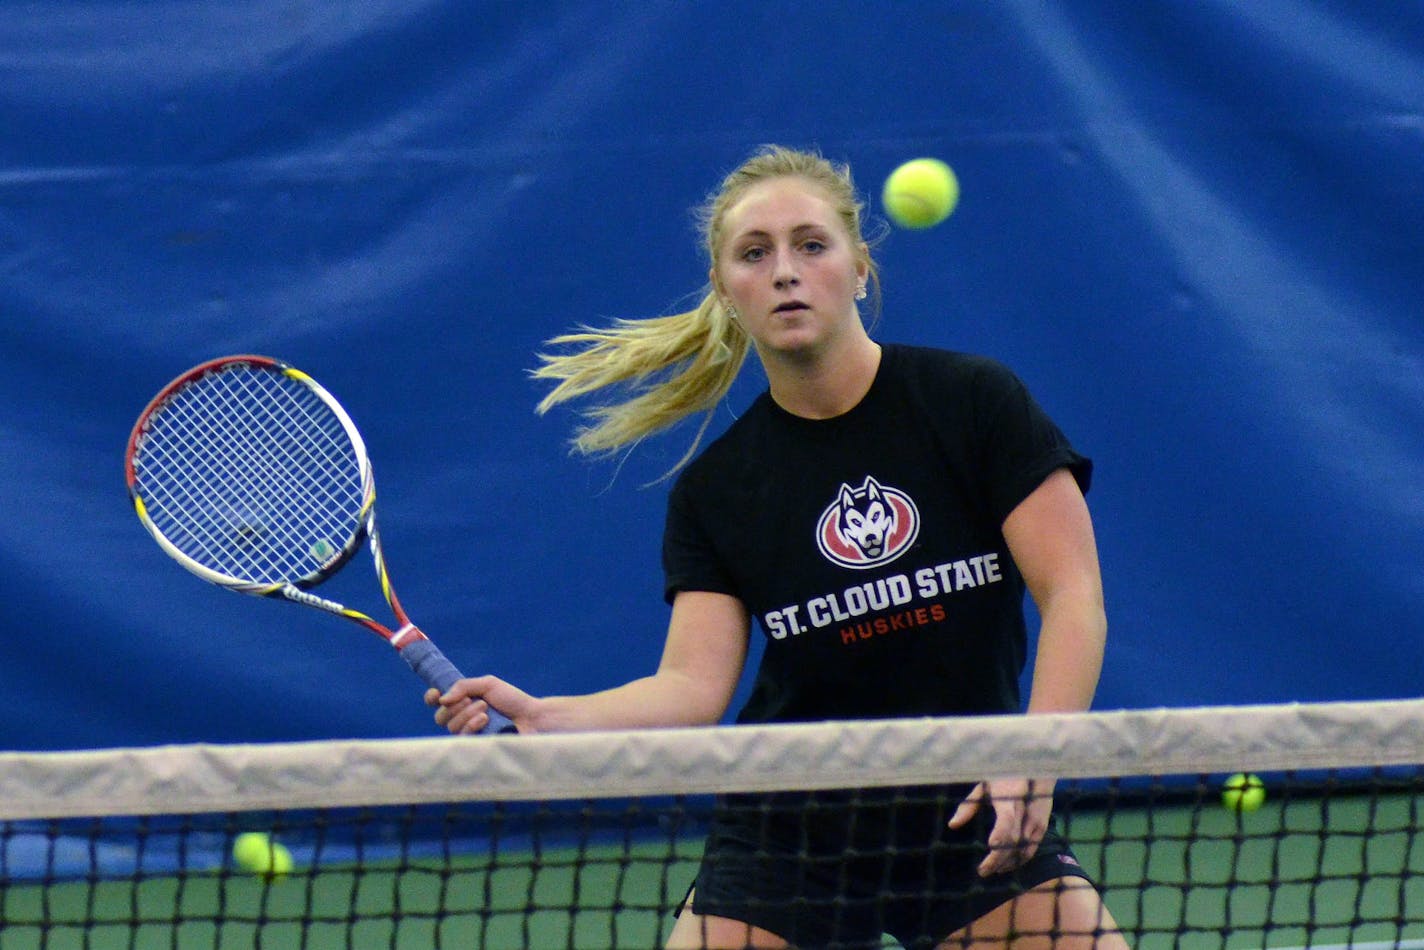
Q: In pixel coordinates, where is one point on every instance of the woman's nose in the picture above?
(785, 273)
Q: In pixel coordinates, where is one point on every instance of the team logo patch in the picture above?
(867, 526)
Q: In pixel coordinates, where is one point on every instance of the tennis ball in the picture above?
(1243, 792)
(920, 193)
(256, 853)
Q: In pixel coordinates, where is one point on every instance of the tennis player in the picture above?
(880, 511)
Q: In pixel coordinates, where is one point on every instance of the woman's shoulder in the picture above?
(731, 446)
(928, 365)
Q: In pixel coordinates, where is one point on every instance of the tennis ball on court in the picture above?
(256, 853)
(920, 193)
(1243, 792)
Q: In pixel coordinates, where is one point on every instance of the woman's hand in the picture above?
(1022, 808)
(464, 708)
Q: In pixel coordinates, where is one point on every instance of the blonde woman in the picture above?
(880, 511)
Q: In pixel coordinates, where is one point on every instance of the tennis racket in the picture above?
(251, 475)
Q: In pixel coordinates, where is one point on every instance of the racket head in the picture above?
(251, 475)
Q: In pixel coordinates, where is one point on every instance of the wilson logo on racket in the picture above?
(867, 526)
(311, 600)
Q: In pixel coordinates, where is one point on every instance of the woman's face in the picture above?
(788, 266)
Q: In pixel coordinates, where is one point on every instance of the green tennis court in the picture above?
(565, 898)
(1315, 872)
(1345, 870)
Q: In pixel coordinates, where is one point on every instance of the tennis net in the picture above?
(591, 840)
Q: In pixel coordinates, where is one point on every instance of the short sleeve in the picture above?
(690, 561)
(1019, 445)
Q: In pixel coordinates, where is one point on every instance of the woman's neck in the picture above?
(823, 386)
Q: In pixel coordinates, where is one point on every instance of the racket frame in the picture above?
(327, 568)
(409, 640)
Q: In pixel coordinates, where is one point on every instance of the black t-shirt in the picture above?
(869, 546)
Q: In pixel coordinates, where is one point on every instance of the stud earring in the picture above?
(860, 292)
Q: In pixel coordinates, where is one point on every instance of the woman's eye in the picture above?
(753, 254)
(813, 246)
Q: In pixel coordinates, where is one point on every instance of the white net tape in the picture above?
(205, 778)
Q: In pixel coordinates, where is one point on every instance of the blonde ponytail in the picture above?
(674, 365)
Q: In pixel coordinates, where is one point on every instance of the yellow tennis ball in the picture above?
(920, 193)
(256, 853)
(1243, 792)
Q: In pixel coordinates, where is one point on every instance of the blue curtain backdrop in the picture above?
(1193, 228)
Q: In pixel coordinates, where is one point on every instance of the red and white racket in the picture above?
(251, 475)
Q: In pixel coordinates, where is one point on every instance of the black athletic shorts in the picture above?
(828, 870)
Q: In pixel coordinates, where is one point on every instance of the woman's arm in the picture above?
(1050, 535)
(702, 661)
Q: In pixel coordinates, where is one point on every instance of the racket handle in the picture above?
(425, 658)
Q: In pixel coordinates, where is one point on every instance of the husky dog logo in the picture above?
(867, 526)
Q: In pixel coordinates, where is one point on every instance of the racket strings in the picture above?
(256, 489)
(250, 473)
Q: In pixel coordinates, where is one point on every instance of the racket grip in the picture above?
(425, 658)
